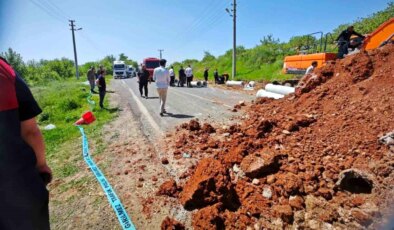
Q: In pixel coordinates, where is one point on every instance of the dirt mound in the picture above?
(287, 162)
(171, 224)
(169, 188)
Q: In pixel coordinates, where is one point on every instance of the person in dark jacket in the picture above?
(182, 77)
(216, 76)
(143, 79)
(101, 84)
(344, 41)
(24, 172)
(206, 74)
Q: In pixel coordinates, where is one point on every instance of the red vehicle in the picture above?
(151, 64)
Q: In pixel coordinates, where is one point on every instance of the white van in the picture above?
(120, 69)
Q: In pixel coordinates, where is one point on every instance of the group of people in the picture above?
(97, 78)
(184, 76)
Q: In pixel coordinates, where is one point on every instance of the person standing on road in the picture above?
(91, 78)
(172, 76)
(182, 77)
(24, 172)
(101, 68)
(162, 78)
(216, 76)
(100, 82)
(143, 79)
(189, 75)
(206, 74)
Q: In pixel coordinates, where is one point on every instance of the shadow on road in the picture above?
(152, 98)
(180, 116)
(113, 110)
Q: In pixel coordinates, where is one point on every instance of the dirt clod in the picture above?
(171, 224)
(169, 188)
(164, 161)
(206, 186)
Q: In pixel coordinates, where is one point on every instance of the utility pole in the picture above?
(160, 50)
(75, 48)
(233, 14)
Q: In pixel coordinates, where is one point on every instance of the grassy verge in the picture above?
(62, 103)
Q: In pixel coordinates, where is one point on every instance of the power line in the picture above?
(203, 18)
(58, 9)
(51, 14)
(93, 44)
(208, 26)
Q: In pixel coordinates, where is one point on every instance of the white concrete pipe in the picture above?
(204, 83)
(196, 83)
(264, 93)
(279, 89)
(235, 83)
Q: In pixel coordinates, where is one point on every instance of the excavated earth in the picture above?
(310, 160)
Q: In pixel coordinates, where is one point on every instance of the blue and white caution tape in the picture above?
(91, 103)
(113, 199)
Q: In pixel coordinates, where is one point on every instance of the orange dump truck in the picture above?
(297, 64)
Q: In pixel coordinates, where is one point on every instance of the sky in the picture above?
(184, 29)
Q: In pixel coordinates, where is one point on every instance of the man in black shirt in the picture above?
(206, 74)
(216, 76)
(24, 172)
(344, 41)
(143, 79)
(100, 82)
(182, 77)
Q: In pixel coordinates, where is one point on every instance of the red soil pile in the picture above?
(281, 165)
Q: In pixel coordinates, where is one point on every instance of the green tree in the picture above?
(15, 60)
(123, 57)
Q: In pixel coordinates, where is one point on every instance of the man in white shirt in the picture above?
(172, 76)
(189, 75)
(311, 68)
(161, 76)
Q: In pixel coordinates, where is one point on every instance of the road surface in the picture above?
(183, 104)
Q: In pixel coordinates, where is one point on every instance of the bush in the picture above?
(69, 104)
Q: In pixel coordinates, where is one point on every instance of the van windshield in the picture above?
(152, 64)
(119, 66)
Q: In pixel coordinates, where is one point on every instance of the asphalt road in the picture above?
(183, 104)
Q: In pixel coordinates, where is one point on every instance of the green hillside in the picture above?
(265, 61)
